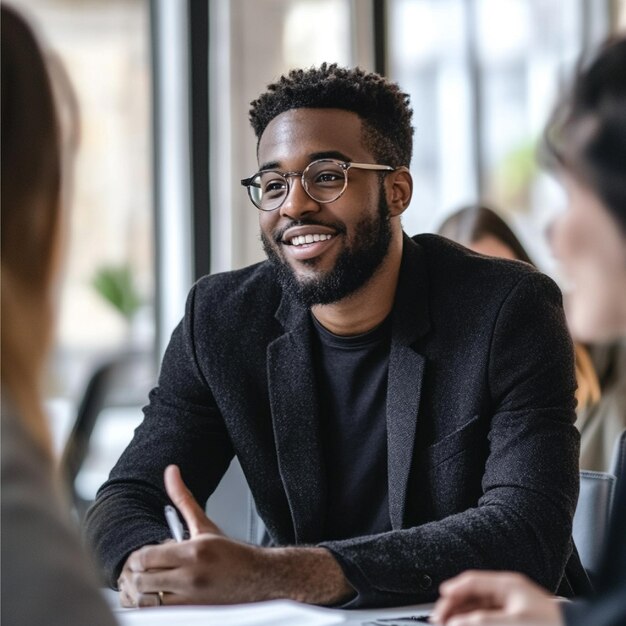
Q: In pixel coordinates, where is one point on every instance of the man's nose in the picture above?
(298, 202)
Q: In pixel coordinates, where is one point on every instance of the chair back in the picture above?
(123, 380)
(232, 507)
(618, 458)
(591, 520)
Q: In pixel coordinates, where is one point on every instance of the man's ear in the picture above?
(399, 189)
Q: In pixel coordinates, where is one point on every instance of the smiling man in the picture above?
(402, 408)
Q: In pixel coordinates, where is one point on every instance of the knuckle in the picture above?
(201, 550)
(515, 577)
(195, 578)
(142, 557)
(136, 580)
(199, 579)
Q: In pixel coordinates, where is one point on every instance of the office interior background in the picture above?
(164, 88)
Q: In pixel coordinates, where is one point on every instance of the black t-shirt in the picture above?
(351, 374)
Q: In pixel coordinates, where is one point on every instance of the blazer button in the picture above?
(425, 582)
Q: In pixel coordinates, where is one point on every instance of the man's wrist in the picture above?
(310, 575)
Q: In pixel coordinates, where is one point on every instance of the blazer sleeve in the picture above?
(182, 425)
(523, 518)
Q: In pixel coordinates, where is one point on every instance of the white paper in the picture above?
(273, 613)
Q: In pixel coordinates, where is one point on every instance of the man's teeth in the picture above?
(301, 239)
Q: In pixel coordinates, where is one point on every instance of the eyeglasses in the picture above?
(324, 181)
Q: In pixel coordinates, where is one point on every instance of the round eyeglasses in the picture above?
(324, 181)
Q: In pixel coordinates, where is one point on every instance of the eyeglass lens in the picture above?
(323, 180)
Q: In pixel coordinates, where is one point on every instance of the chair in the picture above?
(592, 517)
(121, 381)
(124, 381)
(232, 508)
(618, 458)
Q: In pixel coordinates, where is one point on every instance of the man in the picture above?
(402, 409)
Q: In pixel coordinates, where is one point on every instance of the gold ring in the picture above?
(160, 595)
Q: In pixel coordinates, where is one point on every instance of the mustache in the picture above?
(277, 234)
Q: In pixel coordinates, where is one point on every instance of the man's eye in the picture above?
(329, 179)
(275, 186)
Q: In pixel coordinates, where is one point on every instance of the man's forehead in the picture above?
(311, 131)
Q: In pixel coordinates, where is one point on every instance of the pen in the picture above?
(176, 528)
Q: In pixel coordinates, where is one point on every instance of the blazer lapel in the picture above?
(406, 371)
(295, 417)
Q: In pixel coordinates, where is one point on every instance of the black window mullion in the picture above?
(199, 134)
(379, 8)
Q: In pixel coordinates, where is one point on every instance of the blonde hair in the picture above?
(588, 392)
(31, 164)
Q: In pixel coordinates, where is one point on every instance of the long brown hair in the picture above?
(474, 222)
(31, 163)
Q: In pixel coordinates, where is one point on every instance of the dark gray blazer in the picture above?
(483, 454)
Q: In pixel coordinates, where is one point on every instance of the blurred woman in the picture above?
(482, 230)
(45, 579)
(586, 145)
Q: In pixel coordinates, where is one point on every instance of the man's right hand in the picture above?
(132, 580)
(210, 568)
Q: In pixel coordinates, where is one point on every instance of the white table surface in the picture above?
(216, 615)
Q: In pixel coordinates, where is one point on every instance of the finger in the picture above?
(125, 599)
(163, 556)
(481, 618)
(448, 607)
(487, 586)
(192, 512)
(157, 580)
(470, 591)
(144, 600)
(472, 576)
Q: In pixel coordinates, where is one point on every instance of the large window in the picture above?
(107, 294)
(483, 76)
(252, 44)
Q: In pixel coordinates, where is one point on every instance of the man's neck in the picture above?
(370, 305)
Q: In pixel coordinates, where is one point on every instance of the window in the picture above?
(107, 294)
(483, 76)
(252, 44)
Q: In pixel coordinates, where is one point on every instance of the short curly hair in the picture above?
(380, 104)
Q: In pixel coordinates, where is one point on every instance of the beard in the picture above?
(353, 268)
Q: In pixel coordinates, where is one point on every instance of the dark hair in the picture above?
(471, 223)
(586, 134)
(380, 104)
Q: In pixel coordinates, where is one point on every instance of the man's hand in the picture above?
(210, 568)
(478, 598)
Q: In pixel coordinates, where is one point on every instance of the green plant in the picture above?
(116, 285)
(514, 175)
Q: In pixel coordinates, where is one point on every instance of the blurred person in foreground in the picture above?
(482, 230)
(45, 579)
(586, 145)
